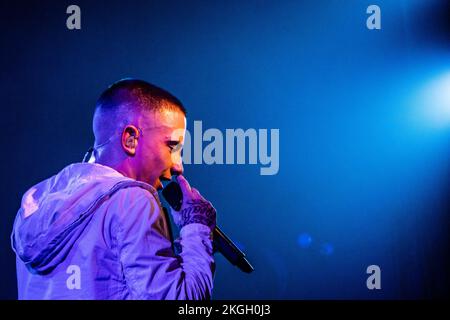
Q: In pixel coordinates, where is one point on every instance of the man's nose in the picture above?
(177, 169)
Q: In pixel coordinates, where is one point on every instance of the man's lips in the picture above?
(159, 184)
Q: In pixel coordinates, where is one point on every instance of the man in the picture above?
(97, 230)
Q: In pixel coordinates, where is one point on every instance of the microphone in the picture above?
(174, 197)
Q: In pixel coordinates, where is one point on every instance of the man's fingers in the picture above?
(188, 192)
(184, 185)
(197, 194)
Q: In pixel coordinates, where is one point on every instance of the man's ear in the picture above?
(129, 140)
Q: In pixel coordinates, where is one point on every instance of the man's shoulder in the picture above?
(135, 194)
(132, 206)
(136, 190)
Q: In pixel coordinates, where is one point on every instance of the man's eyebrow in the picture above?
(171, 138)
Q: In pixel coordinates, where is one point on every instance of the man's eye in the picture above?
(174, 146)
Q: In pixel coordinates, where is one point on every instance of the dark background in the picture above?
(364, 119)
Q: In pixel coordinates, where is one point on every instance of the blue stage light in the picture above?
(438, 94)
(304, 240)
(327, 249)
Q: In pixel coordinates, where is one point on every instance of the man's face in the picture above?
(159, 146)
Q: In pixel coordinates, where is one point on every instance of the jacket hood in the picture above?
(54, 212)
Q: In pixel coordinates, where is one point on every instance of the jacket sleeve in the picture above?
(151, 268)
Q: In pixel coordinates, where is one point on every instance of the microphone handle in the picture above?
(174, 196)
(230, 251)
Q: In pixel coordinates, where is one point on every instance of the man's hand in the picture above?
(195, 208)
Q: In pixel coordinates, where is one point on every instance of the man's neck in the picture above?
(123, 167)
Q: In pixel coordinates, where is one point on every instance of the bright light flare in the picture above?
(435, 101)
